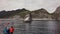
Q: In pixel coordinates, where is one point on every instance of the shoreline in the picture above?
(32, 19)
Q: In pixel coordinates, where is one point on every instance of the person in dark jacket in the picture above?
(5, 30)
(8, 31)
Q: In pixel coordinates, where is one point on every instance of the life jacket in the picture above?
(11, 30)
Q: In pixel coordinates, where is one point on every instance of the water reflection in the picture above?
(45, 27)
(36, 27)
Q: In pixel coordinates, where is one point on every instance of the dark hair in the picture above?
(11, 26)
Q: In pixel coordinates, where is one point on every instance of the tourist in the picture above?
(11, 30)
(5, 30)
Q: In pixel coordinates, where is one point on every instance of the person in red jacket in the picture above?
(11, 30)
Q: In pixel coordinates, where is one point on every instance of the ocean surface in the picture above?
(35, 27)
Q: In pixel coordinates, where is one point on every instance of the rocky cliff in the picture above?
(40, 13)
(56, 14)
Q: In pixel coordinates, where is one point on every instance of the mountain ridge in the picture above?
(40, 13)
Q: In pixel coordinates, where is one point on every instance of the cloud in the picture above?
(11, 4)
(49, 5)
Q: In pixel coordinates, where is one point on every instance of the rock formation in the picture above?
(40, 13)
(56, 14)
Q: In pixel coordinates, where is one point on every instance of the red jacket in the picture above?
(11, 29)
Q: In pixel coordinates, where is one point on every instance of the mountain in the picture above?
(40, 13)
(7, 14)
(23, 12)
(57, 10)
(56, 14)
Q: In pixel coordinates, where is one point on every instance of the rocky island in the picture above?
(41, 14)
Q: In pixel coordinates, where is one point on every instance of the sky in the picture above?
(49, 5)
